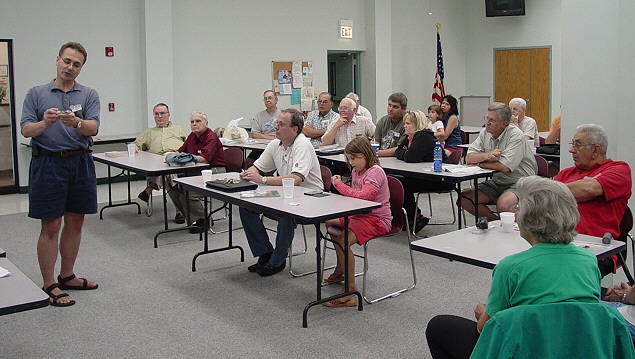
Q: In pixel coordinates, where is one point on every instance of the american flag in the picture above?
(439, 90)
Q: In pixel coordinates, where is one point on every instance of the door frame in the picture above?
(15, 188)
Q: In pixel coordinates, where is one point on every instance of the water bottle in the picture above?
(438, 156)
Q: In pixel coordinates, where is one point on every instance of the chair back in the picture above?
(455, 157)
(326, 177)
(543, 166)
(626, 224)
(555, 330)
(396, 205)
(233, 159)
(463, 137)
(541, 140)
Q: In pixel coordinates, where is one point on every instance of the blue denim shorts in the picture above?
(62, 184)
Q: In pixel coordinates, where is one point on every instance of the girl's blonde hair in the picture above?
(361, 146)
(417, 118)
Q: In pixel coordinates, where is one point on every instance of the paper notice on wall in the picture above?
(285, 89)
(296, 66)
(295, 96)
(297, 79)
(307, 93)
(306, 105)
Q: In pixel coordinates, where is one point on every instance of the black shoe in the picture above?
(144, 196)
(268, 269)
(199, 226)
(421, 222)
(262, 260)
(179, 218)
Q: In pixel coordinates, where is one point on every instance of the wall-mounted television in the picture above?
(504, 8)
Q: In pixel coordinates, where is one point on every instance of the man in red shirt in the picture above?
(601, 186)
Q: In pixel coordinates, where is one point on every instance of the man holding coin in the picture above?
(291, 156)
(60, 117)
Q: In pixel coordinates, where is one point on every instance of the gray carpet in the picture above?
(150, 304)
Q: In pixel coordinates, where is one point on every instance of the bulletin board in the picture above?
(294, 78)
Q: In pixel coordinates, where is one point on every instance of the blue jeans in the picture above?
(631, 327)
(259, 240)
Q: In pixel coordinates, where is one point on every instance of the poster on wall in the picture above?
(284, 82)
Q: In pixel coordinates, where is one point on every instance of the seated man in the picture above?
(601, 186)
(318, 120)
(291, 155)
(262, 124)
(554, 132)
(348, 126)
(204, 144)
(389, 131)
(361, 110)
(525, 123)
(502, 148)
(165, 137)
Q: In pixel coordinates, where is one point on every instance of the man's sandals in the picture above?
(84, 286)
(56, 297)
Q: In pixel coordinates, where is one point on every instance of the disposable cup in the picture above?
(507, 221)
(287, 187)
(131, 149)
(207, 175)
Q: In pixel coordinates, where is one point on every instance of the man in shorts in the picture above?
(60, 117)
(502, 148)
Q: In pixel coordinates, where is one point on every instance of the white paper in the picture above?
(306, 105)
(4, 273)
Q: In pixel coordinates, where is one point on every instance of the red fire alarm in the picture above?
(110, 51)
(111, 107)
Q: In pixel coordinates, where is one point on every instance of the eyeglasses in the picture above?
(268, 98)
(160, 113)
(516, 208)
(577, 146)
(279, 124)
(324, 101)
(343, 108)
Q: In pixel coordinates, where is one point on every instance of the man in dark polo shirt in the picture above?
(60, 117)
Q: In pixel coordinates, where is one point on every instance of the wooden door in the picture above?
(525, 73)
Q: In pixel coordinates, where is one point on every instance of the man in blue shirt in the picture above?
(60, 117)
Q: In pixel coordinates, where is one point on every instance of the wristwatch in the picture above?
(264, 180)
(79, 124)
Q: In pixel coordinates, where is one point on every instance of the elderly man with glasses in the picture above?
(503, 148)
(318, 120)
(348, 126)
(600, 185)
(165, 137)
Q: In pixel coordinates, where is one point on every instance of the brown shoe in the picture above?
(179, 218)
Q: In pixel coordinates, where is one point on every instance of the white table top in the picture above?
(147, 163)
(104, 140)
(424, 170)
(250, 144)
(308, 209)
(18, 292)
(490, 247)
(471, 129)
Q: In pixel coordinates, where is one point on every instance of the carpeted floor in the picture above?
(151, 305)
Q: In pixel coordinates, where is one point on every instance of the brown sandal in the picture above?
(334, 278)
(54, 302)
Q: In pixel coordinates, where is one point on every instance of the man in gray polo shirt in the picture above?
(502, 148)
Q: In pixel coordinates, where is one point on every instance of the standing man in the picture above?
(361, 110)
(600, 185)
(262, 124)
(60, 117)
(389, 132)
(165, 137)
(348, 126)
(204, 144)
(318, 120)
(503, 148)
(291, 155)
(525, 123)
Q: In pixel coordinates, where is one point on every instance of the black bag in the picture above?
(231, 185)
(552, 149)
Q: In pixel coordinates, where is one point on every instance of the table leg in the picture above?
(627, 273)
(319, 280)
(230, 244)
(109, 205)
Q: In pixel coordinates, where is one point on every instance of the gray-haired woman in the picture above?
(552, 270)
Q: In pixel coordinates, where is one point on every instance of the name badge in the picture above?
(75, 108)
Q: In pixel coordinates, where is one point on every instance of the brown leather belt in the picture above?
(66, 153)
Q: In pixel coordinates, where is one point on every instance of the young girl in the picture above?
(369, 182)
(435, 115)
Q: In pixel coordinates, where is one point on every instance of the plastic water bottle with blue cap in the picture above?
(438, 157)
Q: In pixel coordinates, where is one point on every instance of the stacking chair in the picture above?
(543, 166)
(399, 219)
(463, 137)
(555, 330)
(626, 224)
(454, 158)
